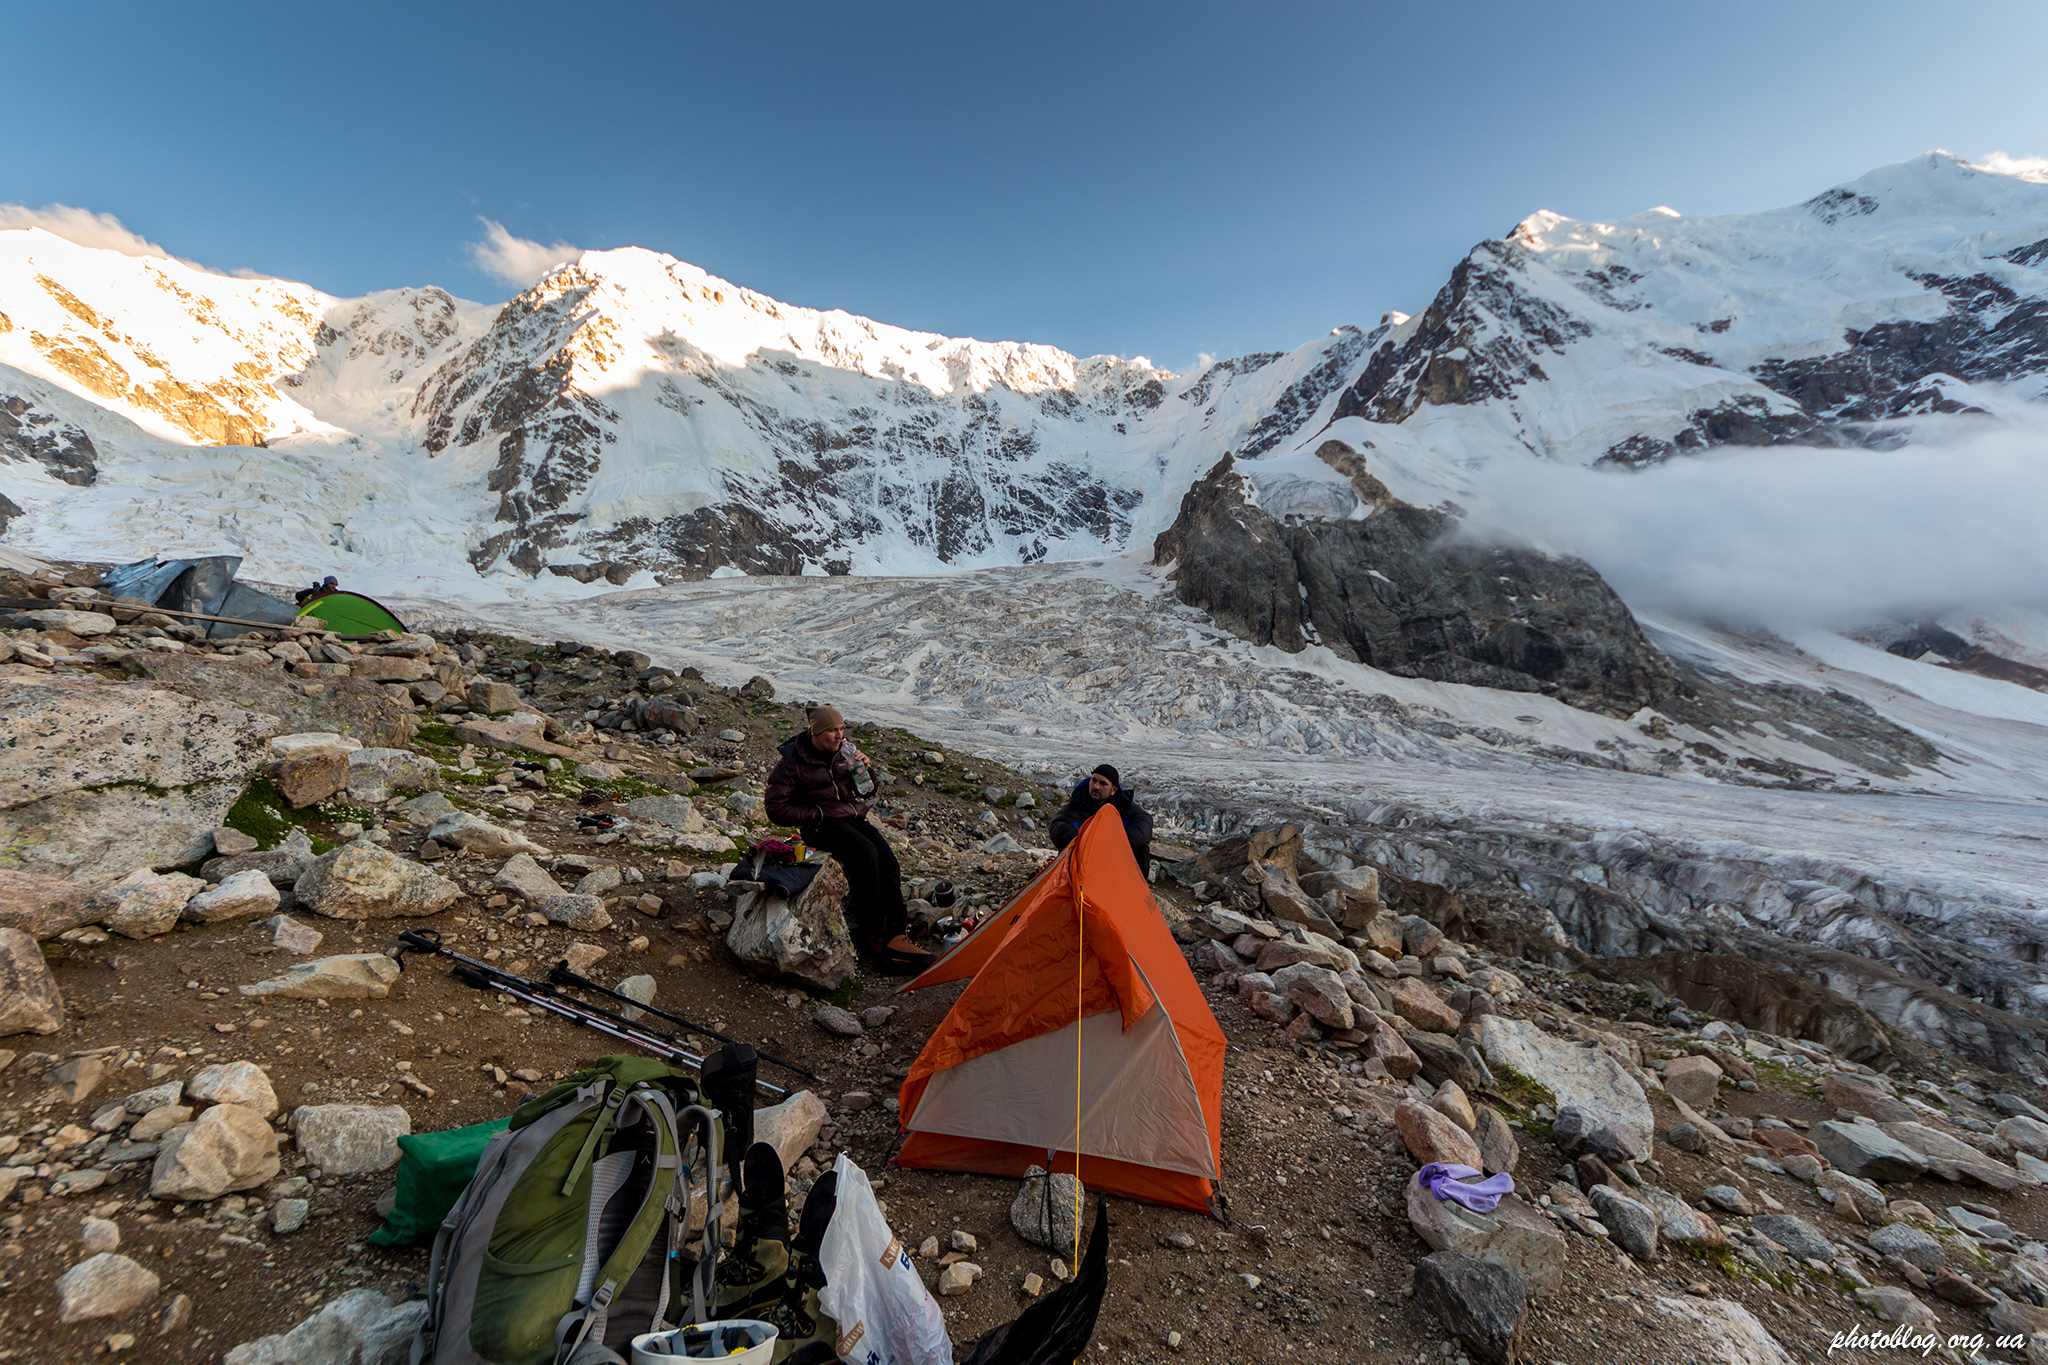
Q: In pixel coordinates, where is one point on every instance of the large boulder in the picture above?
(1678, 1221)
(350, 1139)
(99, 779)
(1867, 1151)
(1693, 1080)
(374, 774)
(43, 907)
(1863, 1095)
(350, 976)
(29, 999)
(474, 834)
(228, 1148)
(1423, 1007)
(1479, 1303)
(363, 881)
(1582, 1077)
(806, 938)
(1951, 1158)
(1317, 990)
(360, 712)
(1513, 1235)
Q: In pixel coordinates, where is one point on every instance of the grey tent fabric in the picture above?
(205, 585)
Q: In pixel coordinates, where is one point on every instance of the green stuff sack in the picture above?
(433, 1170)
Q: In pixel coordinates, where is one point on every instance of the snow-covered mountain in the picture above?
(633, 412)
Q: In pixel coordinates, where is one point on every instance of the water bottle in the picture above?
(863, 780)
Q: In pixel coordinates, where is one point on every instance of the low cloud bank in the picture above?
(1791, 536)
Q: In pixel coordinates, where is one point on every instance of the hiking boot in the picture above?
(899, 956)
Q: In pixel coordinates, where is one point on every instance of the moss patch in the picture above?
(1518, 1088)
(262, 813)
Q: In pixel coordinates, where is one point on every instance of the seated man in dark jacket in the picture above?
(1104, 788)
(813, 787)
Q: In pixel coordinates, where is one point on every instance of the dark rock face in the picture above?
(1893, 369)
(1759, 996)
(875, 458)
(1483, 334)
(29, 432)
(1401, 592)
(1479, 1303)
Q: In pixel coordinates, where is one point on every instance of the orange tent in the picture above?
(1082, 1044)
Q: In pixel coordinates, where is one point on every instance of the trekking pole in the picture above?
(563, 975)
(484, 977)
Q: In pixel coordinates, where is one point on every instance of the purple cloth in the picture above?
(1446, 1180)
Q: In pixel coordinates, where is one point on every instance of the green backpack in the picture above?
(569, 1240)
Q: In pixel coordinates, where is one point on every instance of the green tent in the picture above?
(351, 613)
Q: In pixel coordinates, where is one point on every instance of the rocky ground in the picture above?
(210, 1063)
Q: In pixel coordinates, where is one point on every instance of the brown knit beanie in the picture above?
(825, 718)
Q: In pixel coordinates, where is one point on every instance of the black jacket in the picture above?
(807, 786)
(1068, 819)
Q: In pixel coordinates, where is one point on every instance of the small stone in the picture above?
(581, 957)
(176, 1316)
(958, 1278)
(1794, 1234)
(99, 1234)
(1034, 1283)
(1044, 1210)
(242, 1083)
(290, 1215)
(108, 1285)
(1692, 1080)
(962, 1241)
(637, 988)
(1430, 1136)
(877, 1015)
(929, 1249)
(1728, 1199)
(350, 1139)
(290, 936)
(1910, 1244)
(837, 1021)
(1633, 1225)
(228, 842)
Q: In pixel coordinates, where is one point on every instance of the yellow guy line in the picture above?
(1080, 960)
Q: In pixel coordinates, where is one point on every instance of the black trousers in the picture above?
(874, 902)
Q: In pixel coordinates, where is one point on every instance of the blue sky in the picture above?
(1164, 180)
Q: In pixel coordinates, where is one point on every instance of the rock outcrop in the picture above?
(1402, 590)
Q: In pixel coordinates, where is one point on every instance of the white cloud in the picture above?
(515, 260)
(1792, 536)
(2034, 168)
(102, 231)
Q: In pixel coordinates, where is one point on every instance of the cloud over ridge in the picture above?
(515, 260)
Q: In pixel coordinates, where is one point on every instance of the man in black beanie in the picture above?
(1104, 787)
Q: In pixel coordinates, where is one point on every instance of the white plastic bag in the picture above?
(885, 1314)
